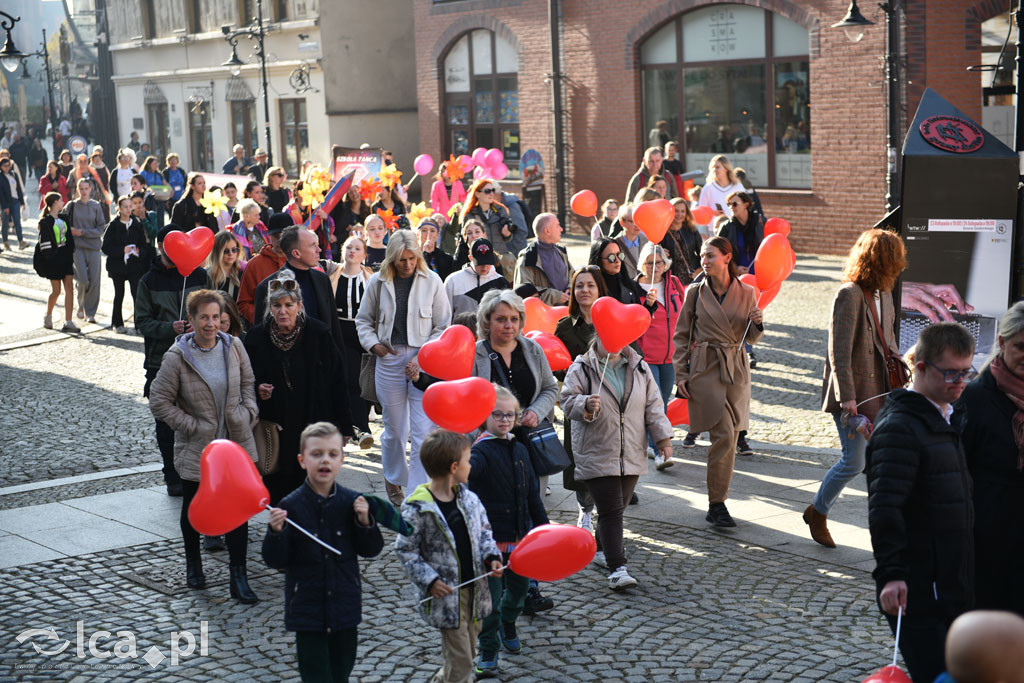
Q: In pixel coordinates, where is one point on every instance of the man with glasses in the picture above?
(920, 510)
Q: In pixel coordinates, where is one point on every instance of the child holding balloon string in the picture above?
(502, 475)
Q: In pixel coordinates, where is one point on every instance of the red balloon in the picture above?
(654, 217)
(451, 355)
(747, 279)
(776, 225)
(702, 215)
(792, 261)
(553, 551)
(540, 316)
(584, 203)
(678, 411)
(188, 250)
(557, 355)
(461, 405)
(888, 674)
(618, 324)
(230, 489)
(772, 260)
(767, 296)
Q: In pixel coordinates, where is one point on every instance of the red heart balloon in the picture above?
(230, 489)
(776, 225)
(654, 217)
(188, 250)
(678, 412)
(461, 405)
(584, 203)
(556, 352)
(540, 316)
(451, 355)
(703, 215)
(750, 279)
(618, 324)
(551, 552)
(767, 296)
(772, 261)
(888, 674)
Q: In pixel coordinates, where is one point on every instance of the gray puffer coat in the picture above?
(429, 553)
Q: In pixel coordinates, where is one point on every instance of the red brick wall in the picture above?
(600, 43)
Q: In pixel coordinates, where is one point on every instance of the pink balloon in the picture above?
(480, 172)
(423, 164)
(478, 156)
(465, 163)
(499, 172)
(493, 157)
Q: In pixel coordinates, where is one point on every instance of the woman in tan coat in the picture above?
(856, 376)
(719, 314)
(205, 391)
(610, 420)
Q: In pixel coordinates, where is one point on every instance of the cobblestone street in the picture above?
(764, 603)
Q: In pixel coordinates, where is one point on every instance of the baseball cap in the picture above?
(482, 252)
(280, 221)
(167, 229)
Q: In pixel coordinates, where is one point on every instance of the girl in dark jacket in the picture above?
(745, 230)
(502, 476)
(188, 213)
(126, 246)
(682, 241)
(54, 259)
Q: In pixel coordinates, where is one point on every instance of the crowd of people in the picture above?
(304, 334)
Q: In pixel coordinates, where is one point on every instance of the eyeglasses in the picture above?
(231, 250)
(489, 190)
(953, 376)
(503, 417)
(289, 285)
(612, 258)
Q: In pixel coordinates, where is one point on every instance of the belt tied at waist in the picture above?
(728, 356)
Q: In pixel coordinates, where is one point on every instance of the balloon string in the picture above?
(899, 624)
(412, 180)
(329, 547)
(464, 583)
(603, 370)
(744, 337)
(181, 306)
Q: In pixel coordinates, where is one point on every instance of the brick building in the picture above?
(735, 77)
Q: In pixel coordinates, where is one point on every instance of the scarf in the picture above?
(286, 340)
(1013, 387)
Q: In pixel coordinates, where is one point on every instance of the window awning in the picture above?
(238, 91)
(152, 94)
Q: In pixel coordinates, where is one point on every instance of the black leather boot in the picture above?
(240, 586)
(194, 576)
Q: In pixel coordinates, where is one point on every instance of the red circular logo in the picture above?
(952, 134)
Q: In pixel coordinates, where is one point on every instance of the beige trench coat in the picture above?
(713, 360)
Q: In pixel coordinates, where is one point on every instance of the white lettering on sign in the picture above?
(961, 225)
(722, 33)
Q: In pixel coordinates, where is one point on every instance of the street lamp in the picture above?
(254, 31)
(11, 57)
(854, 25)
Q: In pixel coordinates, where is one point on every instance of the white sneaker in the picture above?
(650, 454)
(661, 462)
(600, 560)
(620, 579)
(364, 439)
(584, 521)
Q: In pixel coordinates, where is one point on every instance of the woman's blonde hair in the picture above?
(271, 171)
(400, 242)
(218, 274)
(503, 394)
(730, 174)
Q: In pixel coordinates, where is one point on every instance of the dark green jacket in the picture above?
(159, 304)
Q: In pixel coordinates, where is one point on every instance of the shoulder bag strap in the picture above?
(493, 355)
(878, 327)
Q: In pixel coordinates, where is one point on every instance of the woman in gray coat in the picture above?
(205, 391)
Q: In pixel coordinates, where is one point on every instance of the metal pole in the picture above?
(266, 94)
(554, 21)
(1018, 146)
(49, 94)
(892, 75)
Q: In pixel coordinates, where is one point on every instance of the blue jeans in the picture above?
(843, 472)
(15, 218)
(665, 377)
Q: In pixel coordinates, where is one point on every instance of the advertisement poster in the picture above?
(532, 168)
(954, 260)
(365, 162)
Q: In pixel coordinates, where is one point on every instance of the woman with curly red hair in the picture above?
(856, 375)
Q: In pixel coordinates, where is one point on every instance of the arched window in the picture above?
(481, 96)
(740, 75)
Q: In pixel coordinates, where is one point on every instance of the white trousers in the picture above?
(403, 418)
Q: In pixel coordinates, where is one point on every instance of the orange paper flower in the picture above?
(390, 175)
(389, 218)
(369, 188)
(418, 212)
(453, 169)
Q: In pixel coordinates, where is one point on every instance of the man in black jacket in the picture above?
(920, 511)
(302, 252)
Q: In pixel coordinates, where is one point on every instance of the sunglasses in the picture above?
(612, 258)
(231, 250)
(489, 190)
(733, 205)
(289, 285)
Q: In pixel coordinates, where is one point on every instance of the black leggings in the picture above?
(116, 319)
(611, 496)
(237, 540)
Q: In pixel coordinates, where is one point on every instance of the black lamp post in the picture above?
(11, 57)
(854, 24)
(254, 31)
